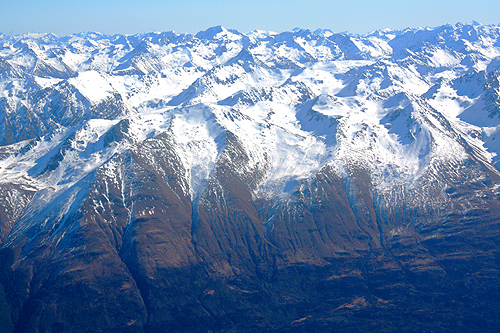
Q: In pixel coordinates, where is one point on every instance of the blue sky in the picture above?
(127, 16)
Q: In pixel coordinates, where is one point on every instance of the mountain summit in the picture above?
(294, 181)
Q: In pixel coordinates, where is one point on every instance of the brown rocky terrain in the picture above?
(137, 255)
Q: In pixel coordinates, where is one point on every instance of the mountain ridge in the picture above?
(262, 182)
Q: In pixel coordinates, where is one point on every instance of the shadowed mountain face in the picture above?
(301, 181)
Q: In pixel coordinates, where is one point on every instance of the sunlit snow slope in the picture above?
(391, 101)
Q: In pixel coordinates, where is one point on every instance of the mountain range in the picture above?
(294, 181)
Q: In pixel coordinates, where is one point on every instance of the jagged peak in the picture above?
(219, 32)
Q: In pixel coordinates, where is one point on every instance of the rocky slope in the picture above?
(295, 181)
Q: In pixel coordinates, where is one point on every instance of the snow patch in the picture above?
(92, 85)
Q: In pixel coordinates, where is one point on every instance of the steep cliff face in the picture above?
(301, 181)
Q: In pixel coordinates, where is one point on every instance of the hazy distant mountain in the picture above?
(294, 181)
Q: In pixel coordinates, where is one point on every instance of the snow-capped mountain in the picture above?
(192, 179)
